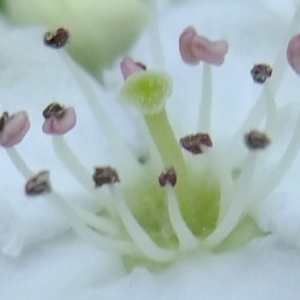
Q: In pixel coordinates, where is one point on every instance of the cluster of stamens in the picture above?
(176, 194)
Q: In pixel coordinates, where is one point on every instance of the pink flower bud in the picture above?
(194, 48)
(58, 119)
(293, 53)
(13, 128)
(129, 66)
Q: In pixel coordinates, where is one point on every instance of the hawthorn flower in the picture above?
(213, 147)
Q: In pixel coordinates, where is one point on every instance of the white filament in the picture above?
(140, 238)
(154, 37)
(113, 136)
(239, 201)
(206, 100)
(19, 163)
(71, 162)
(185, 237)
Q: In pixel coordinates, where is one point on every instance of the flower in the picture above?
(197, 271)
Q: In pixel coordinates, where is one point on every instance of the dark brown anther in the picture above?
(261, 72)
(168, 176)
(57, 39)
(194, 143)
(54, 110)
(142, 65)
(38, 185)
(105, 175)
(3, 120)
(256, 140)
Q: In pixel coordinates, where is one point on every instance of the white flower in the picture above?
(68, 267)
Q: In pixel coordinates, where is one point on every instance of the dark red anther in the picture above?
(57, 39)
(38, 185)
(54, 110)
(256, 140)
(194, 143)
(169, 176)
(105, 175)
(261, 72)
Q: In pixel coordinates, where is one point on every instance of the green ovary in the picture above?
(149, 205)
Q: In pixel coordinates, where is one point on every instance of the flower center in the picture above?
(187, 194)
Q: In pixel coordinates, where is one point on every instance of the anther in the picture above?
(194, 143)
(13, 128)
(58, 119)
(129, 66)
(261, 72)
(169, 176)
(54, 110)
(105, 175)
(3, 120)
(194, 48)
(256, 140)
(293, 53)
(57, 39)
(39, 184)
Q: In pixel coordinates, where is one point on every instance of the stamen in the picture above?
(57, 39)
(112, 134)
(58, 119)
(71, 162)
(38, 185)
(137, 233)
(204, 119)
(168, 177)
(239, 201)
(129, 66)
(257, 111)
(105, 175)
(194, 143)
(13, 128)
(19, 163)
(278, 172)
(185, 237)
(94, 237)
(261, 72)
(256, 140)
(154, 37)
(293, 53)
(193, 49)
(108, 175)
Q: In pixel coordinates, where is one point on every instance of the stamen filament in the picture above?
(206, 99)
(185, 237)
(136, 232)
(103, 242)
(19, 163)
(71, 162)
(257, 112)
(278, 172)
(271, 109)
(227, 185)
(113, 136)
(154, 37)
(237, 206)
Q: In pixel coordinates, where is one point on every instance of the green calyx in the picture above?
(148, 91)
